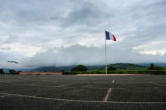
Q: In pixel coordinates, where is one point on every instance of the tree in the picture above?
(153, 67)
(111, 68)
(1, 71)
(12, 71)
(79, 68)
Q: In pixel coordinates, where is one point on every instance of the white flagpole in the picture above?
(105, 56)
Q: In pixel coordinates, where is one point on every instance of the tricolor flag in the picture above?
(109, 37)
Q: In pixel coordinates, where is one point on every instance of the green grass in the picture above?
(145, 71)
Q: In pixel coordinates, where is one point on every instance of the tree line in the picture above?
(83, 68)
(11, 71)
(112, 68)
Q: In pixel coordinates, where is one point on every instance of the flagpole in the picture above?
(107, 37)
(105, 57)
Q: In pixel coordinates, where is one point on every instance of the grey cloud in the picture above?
(63, 23)
(78, 54)
(84, 14)
(67, 56)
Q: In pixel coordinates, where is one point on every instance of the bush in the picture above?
(1, 71)
(79, 68)
(69, 73)
(153, 67)
(111, 68)
(12, 71)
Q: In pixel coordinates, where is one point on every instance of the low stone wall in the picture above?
(40, 73)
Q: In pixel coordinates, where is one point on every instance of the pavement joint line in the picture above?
(73, 87)
(113, 81)
(157, 84)
(39, 85)
(4, 95)
(83, 101)
(56, 86)
(35, 81)
(64, 85)
(107, 95)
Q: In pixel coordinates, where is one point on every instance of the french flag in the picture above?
(109, 37)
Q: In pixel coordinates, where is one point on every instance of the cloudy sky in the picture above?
(67, 32)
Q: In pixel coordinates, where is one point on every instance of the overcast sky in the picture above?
(68, 32)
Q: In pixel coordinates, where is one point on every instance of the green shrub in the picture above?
(80, 68)
(70, 73)
(111, 68)
(13, 72)
(1, 71)
(153, 67)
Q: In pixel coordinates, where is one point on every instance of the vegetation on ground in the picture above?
(1, 71)
(123, 69)
(10, 72)
(119, 68)
(79, 68)
(153, 67)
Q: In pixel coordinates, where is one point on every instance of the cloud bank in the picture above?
(67, 32)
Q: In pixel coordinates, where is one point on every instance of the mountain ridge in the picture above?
(129, 66)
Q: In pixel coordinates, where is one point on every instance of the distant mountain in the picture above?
(52, 69)
(157, 64)
(95, 67)
(62, 68)
(128, 66)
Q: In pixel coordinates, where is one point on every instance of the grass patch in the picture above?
(157, 72)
